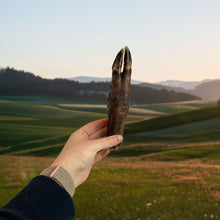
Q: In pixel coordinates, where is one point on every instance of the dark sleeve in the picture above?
(42, 198)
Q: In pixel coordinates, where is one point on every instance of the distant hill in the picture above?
(169, 88)
(189, 85)
(14, 82)
(87, 79)
(208, 90)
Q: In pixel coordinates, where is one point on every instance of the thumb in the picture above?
(107, 142)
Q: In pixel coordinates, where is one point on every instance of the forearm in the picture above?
(43, 198)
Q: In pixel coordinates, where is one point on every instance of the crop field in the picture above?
(167, 168)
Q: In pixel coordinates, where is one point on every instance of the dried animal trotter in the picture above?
(118, 99)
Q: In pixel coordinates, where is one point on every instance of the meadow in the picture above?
(167, 168)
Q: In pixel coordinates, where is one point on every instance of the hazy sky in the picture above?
(168, 39)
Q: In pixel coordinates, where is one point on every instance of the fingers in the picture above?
(98, 133)
(101, 155)
(94, 126)
(106, 142)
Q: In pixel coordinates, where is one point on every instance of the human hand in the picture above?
(84, 148)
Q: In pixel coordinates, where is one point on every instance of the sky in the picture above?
(168, 39)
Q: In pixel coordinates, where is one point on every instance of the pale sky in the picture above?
(168, 39)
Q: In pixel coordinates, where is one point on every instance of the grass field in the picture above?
(174, 120)
(171, 108)
(167, 168)
(130, 188)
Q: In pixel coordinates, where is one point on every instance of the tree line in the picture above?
(16, 82)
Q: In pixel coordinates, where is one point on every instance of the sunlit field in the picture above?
(167, 168)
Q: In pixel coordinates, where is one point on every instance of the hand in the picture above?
(85, 147)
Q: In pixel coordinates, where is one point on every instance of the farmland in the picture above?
(167, 168)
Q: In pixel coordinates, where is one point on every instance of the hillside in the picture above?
(158, 86)
(206, 89)
(209, 90)
(173, 120)
(87, 79)
(182, 169)
(189, 85)
(169, 88)
(14, 82)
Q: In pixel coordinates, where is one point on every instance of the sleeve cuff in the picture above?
(62, 177)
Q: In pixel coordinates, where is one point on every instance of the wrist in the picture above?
(62, 177)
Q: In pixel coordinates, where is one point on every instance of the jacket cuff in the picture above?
(62, 177)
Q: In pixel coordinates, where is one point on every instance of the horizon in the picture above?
(88, 76)
(168, 40)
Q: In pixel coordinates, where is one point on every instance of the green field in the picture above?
(171, 108)
(167, 168)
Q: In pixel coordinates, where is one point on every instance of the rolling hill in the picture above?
(173, 120)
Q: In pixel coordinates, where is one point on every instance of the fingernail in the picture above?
(119, 138)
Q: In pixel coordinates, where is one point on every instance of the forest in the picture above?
(16, 82)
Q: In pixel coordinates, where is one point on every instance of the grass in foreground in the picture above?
(129, 188)
(148, 178)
